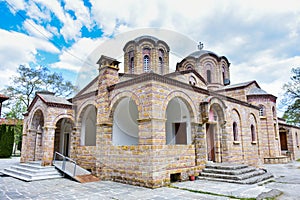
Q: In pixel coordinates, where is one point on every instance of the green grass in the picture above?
(298, 160)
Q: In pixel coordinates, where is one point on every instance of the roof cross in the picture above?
(200, 46)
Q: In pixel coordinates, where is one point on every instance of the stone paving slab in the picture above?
(287, 179)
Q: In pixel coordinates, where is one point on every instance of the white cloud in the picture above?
(17, 48)
(36, 30)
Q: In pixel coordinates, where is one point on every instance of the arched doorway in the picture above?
(64, 128)
(283, 139)
(214, 132)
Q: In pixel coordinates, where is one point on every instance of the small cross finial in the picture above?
(200, 46)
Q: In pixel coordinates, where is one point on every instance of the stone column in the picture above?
(199, 142)
(152, 131)
(30, 145)
(48, 148)
(74, 141)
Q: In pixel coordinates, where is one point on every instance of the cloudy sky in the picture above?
(260, 38)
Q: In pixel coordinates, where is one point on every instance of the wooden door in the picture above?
(210, 140)
(180, 133)
(283, 141)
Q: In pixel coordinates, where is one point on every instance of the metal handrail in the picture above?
(65, 158)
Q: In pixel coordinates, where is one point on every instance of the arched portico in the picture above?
(214, 132)
(178, 124)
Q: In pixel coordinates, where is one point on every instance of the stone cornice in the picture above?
(156, 77)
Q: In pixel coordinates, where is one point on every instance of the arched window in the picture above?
(208, 74)
(235, 131)
(189, 66)
(160, 65)
(131, 67)
(131, 62)
(161, 61)
(146, 64)
(223, 73)
(274, 111)
(192, 80)
(261, 110)
(253, 133)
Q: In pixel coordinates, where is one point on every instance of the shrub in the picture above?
(6, 140)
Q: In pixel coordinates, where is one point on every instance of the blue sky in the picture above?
(260, 38)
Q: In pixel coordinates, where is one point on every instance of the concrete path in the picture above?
(287, 180)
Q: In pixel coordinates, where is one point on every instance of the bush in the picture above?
(6, 141)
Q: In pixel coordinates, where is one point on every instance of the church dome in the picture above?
(256, 91)
(146, 37)
(199, 53)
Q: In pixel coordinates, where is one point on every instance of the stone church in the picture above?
(147, 124)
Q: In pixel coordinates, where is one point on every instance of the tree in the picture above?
(292, 98)
(31, 80)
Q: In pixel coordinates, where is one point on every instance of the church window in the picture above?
(274, 111)
(189, 66)
(208, 74)
(261, 110)
(253, 134)
(131, 62)
(161, 61)
(146, 63)
(223, 73)
(131, 68)
(235, 131)
(192, 80)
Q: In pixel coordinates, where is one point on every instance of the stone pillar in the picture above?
(200, 144)
(74, 141)
(24, 153)
(38, 145)
(30, 145)
(48, 148)
(152, 131)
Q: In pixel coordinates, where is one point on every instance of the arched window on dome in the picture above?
(189, 66)
(131, 62)
(161, 61)
(192, 80)
(274, 111)
(146, 63)
(223, 74)
(146, 59)
(262, 110)
(208, 74)
(131, 67)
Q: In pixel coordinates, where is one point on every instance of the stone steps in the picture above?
(32, 172)
(233, 173)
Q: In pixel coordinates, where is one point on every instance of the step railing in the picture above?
(65, 159)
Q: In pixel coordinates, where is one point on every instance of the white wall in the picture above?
(177, 112)
(125, 126)
(88, 127)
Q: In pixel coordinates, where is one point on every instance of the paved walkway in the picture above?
(287, 180)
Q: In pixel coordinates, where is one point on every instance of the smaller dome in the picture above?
(256, 91)
(202, 52)
(146, 37)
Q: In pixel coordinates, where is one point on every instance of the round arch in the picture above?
(87, 119)
(186, 99)
(121, 95)
(125, 129)
(178, 122)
